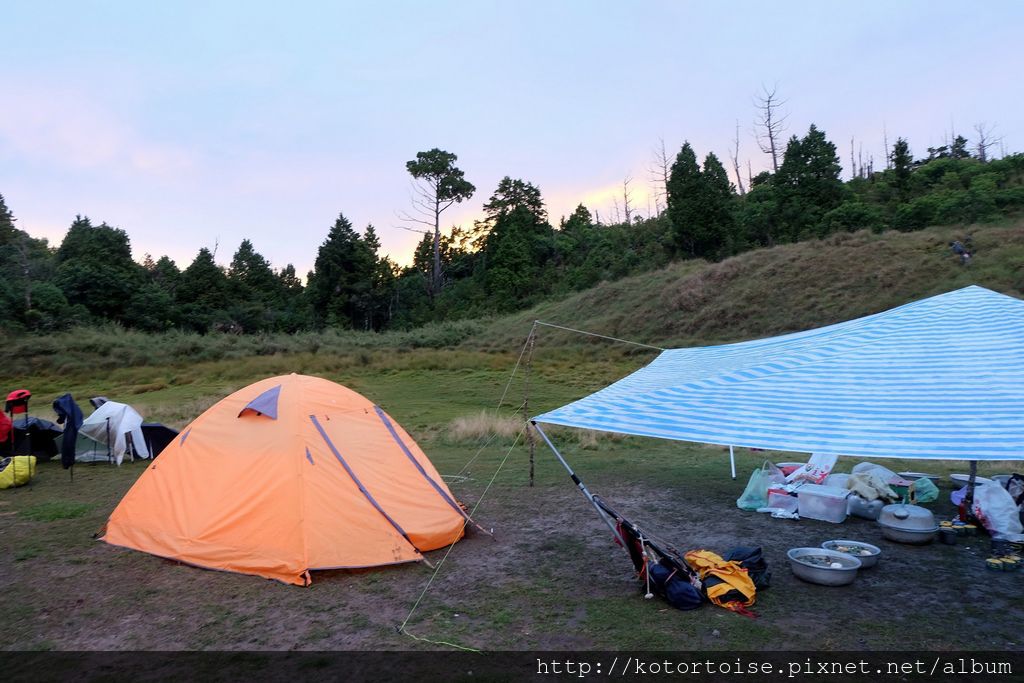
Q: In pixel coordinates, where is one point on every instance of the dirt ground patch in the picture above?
(550, 578)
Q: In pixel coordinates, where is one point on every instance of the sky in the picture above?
(200, 124)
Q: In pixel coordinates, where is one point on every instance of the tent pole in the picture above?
(14, 469)
(732, 462)
(969, 495)
(582, 487)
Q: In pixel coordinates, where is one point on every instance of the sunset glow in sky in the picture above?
(199, 123)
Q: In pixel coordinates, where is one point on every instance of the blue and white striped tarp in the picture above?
(938, 378)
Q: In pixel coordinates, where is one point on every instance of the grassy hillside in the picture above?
(759, 293)
(782, 289)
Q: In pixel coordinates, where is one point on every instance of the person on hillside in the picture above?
(960, 250)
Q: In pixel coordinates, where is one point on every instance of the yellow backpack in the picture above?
(726, 584)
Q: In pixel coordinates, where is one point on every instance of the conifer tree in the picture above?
(808, 184)
(685, 192)
(6, 223)
(342, 275)
(95, 268)
(718, 234)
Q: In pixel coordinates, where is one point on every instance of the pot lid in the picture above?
(911, 517)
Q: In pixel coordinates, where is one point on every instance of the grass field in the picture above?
(551, 577)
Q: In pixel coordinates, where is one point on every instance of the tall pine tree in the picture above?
(342, 275)
(6, 223)
(518, 244)
(95, 268)
(717, 236)
(685, 192)
(808, 184)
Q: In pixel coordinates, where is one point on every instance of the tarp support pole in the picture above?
(732, 462)
(582, 487)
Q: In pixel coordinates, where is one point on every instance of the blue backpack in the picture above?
(674, 586)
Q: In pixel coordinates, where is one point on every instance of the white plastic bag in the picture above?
(838, 479)
(885, 473)
(995, 508)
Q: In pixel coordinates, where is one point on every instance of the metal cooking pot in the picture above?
(908, 523)
(845, 573)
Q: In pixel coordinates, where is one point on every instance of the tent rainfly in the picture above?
(939, 378)
(285, 476)
(111, 424)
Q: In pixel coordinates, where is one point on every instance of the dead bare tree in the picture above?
(627, 199)
(750, 175)
(617, 216)
(736, 160)
(658, 172)
(770, 123)
(853, 162)
(986, 140)
(885, 141)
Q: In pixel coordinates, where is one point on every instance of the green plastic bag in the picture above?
(925, 490)
(756, 494)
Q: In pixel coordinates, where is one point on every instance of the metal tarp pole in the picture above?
(732, 462)
(582, 487)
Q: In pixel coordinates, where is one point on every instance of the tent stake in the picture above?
(582, 487)
(732, 462)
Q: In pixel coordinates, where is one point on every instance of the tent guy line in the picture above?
(402, 629)
(595, 334)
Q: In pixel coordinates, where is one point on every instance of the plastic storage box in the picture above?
(782, 500)
(824, 503)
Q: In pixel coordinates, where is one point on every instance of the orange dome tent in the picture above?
(288, 475)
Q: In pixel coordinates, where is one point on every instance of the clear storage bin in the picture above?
(782, 500)
(824, 503)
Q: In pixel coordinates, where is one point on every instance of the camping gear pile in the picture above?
(112, 432)
(17, 455)
(871, 491)
(688, 581)
(813, 491)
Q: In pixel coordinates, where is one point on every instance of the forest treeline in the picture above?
(512, 257)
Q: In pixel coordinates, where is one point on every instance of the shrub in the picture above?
(854, 215)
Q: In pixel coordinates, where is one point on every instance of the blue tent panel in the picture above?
(265, 403)
(939, 378)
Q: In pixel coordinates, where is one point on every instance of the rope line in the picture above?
(401, 629)
(595, 334)
(508, 384)
(501, 401)
(530, 337)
